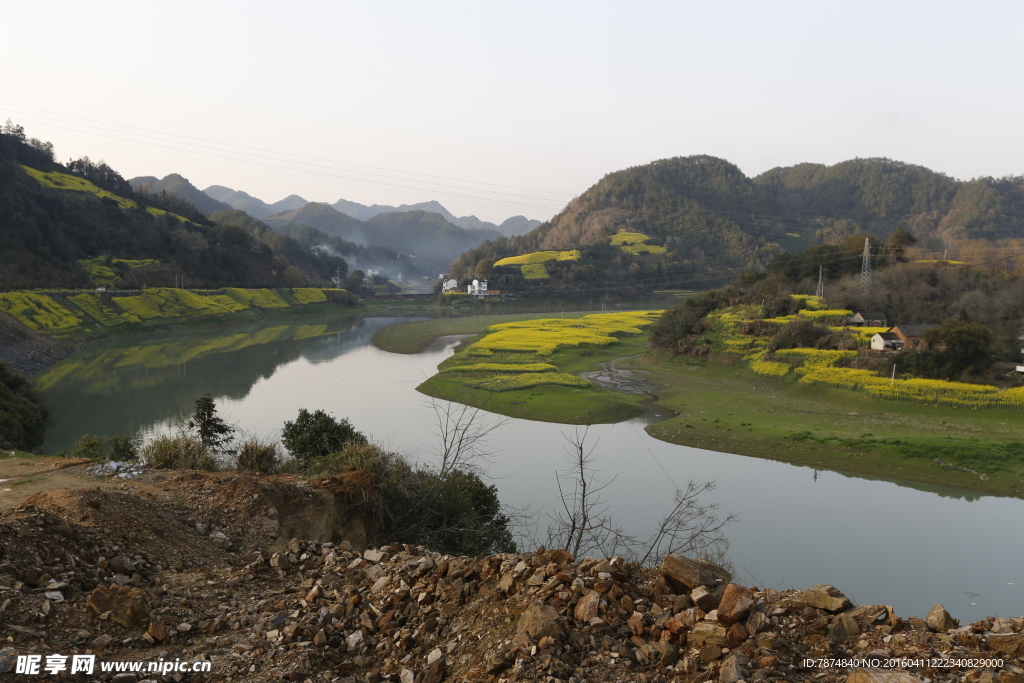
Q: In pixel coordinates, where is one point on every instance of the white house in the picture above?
(886, 341)
(449, 286)
(478, 288)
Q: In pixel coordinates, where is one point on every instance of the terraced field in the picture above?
(68, 314)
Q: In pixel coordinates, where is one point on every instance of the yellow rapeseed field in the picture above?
(309, 295)
(539, 257)
(261, 298)
(521, 345)
(38, 312)
(92, 305)
(634, 243)
(532, 264)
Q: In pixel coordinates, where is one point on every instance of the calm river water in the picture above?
(878, 541)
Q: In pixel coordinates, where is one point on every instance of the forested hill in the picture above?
(83, 225)
(874, 195)
(715, 221)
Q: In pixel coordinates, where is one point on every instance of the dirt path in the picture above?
(22, 478)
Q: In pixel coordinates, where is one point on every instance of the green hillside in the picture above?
(82, 225)
(696, 222)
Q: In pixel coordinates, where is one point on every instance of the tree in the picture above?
(584, 525)
(213, 432)
(317, 435)
(896, 245)
(965, 342)
(13, 130)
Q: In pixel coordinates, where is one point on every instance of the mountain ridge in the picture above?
(714, 221)
(257, 208)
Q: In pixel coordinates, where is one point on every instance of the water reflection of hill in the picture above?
(120, 388)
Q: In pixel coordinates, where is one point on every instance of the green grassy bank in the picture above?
(725, 407)
(568, 405)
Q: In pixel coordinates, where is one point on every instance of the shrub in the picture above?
(458, 513)
(258, 455)
(180, 452)
(317, 435)
(124, 447)
(88, 446)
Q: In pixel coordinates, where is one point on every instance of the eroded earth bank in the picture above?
(275, 578)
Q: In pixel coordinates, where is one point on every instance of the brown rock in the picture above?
(874, 615)
(539, 620)
(825, 596)
(157, 631)
(320, 639)
(101, 642)
(435, 671)
(674, 625)
(736, 604)
(703, 597)
(560, 556)
(735, 636)
(757, 622)
(668, 654)
(127, 606)
(636, 623)
(938, 619)
(880, 676)
(705, 633)
(121, 565)
(586, 608)
(693, 573)
(732, 670)
(507, 583)
(1011, 644)
(499, 661)
(709, 654)
(842, 628)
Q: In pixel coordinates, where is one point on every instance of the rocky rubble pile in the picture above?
(327, 611)
(123, 470)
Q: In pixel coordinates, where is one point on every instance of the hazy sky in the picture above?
(487, 98)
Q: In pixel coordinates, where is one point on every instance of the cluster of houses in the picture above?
(896, 338)
(476, 289)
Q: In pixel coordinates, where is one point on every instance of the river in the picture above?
(879, 541)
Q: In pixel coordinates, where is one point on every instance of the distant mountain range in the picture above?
(426, 235)
(257, 208)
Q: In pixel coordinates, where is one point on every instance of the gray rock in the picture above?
(938, 619)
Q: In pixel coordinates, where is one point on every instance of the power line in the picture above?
(302, 170)
(291, 154)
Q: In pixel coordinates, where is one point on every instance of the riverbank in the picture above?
(727, 408)
(724, 407)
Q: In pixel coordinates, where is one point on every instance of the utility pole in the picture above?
(865, 267)
(820, 291)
